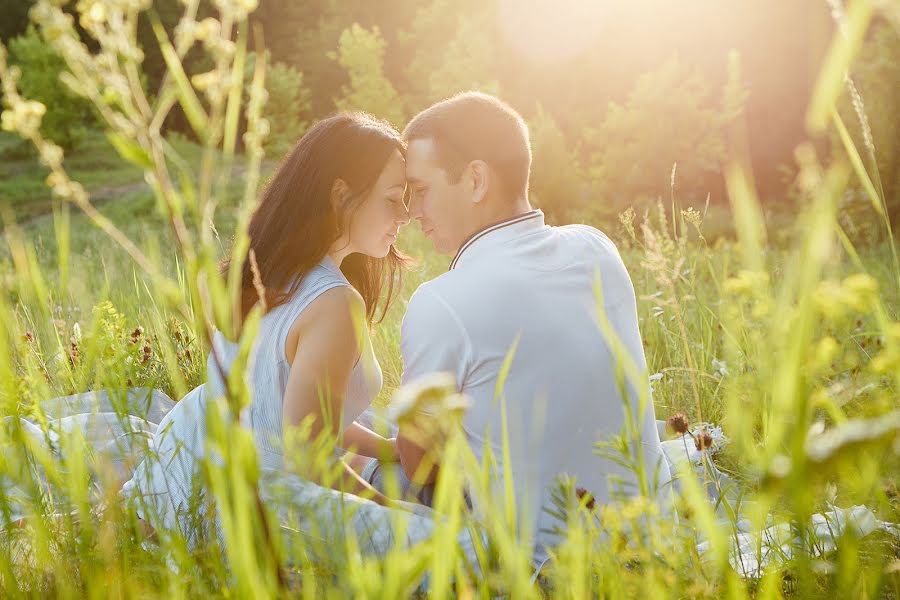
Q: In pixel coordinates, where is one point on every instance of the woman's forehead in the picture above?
(394, 173)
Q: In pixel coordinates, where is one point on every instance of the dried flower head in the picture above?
(678, 423)
(703, 441)
(74, 353)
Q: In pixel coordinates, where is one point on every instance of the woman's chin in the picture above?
(380, 253)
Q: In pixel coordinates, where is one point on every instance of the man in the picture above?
(518, 286)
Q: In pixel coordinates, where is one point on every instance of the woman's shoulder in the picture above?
(335, 303)
(305, 288)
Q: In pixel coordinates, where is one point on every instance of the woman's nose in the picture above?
(403, 215)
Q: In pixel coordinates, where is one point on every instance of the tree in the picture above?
(361, 54)
(450, 48)
(558, 183)
(288, 106)
(67, 114)
(669, 117)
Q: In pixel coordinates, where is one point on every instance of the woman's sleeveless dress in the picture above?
(164, 485)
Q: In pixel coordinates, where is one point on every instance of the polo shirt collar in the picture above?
(499, 232)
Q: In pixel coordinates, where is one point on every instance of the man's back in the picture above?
(524, 287)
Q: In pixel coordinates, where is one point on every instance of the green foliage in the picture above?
(468, 62)
(361, 54)
(467, 57)
(670, 117)
(287, 107)
(67, 115)
(558, 183)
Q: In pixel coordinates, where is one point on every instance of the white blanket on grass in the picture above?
(117, 430)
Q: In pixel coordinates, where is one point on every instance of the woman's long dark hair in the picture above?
(295, 222)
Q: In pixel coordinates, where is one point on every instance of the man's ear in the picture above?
(340, 193)
(480, 174)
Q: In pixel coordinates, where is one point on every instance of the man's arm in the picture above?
(432, 340)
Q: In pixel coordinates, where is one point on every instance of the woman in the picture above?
(322, 247)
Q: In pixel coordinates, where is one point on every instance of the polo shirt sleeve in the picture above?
(433, 339)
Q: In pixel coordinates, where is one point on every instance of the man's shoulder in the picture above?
(585, 232)
(430, 296)
(442, 288)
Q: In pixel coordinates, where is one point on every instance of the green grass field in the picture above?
(710, 330)
(785, 334)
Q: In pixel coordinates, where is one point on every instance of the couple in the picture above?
(323, 241)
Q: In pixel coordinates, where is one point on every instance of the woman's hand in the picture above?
(391, 453)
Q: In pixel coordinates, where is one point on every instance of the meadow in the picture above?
(782, 330)
(716, 337)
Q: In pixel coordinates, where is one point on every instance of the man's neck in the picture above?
(502, 213)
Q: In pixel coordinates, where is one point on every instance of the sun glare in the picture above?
(550, 31)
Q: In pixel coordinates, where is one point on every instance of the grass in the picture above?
(788, 339)
(678, 280)
(93, 162)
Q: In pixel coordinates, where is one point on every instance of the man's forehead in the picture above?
(420, 152)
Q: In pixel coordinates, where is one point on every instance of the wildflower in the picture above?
(24, 117)
(74, 353)
(626, 218)
(860, 291)
(28, 336)
(678, 423)
(703, 441)
(147, 350)
(720, 366)
(76, 331)
(746, 283)
(693, 216)
(206, 81)
(51, 154)
(433, 393)
(826, 351)
(136, 335)
(206, 29)
(583, 494)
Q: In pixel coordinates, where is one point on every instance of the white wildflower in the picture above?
(720, 367)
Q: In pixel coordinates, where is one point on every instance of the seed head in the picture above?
(678, 423)
(703, 441)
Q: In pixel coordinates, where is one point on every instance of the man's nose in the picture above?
(402, 215)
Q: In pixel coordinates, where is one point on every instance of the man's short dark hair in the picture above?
(476, 126)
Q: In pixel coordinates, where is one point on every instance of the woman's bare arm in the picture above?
(363, 441)
(327, 346)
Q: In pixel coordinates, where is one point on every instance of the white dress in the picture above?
(166, 488)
